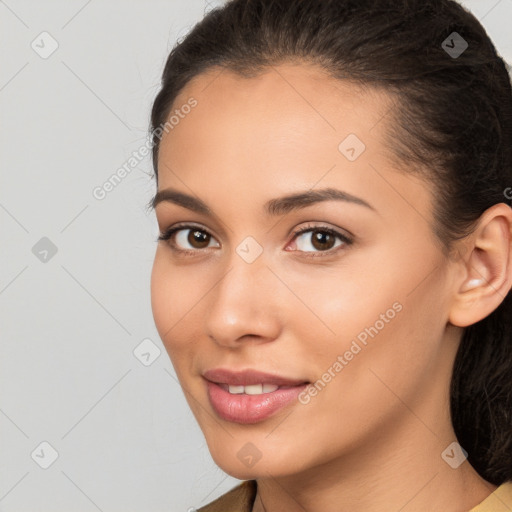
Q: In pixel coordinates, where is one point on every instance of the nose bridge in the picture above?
(242, 302)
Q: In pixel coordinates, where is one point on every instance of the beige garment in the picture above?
(241, 499)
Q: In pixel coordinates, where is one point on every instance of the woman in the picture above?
(332, 279)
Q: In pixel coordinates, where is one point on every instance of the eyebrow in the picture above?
(273, 207)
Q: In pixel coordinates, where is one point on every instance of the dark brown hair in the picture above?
(452, 123)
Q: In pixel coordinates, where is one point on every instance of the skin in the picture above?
(372, 439)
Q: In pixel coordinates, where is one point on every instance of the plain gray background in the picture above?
(75, 270)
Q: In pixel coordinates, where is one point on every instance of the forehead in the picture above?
(289, 128)
(296, 85)
(285, 110)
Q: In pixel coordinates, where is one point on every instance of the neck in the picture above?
(399, 468)
(403, 473)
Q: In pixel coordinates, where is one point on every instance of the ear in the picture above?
(486, 273)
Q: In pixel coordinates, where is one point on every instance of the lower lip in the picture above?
(242, 408)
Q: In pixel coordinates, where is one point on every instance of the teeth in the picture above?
(253, 389)
(236, 390)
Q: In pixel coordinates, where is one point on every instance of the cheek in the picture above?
(334, 305)
(161, 302)
(377, 312)
(175, 293)
(390, 345)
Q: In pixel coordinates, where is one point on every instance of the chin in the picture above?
(260, 470)
(237, 462)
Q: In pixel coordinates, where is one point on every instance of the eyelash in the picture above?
(346, 241)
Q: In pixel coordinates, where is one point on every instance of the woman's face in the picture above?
(356, 305)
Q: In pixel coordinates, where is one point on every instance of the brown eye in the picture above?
(198, 239)
(322, 240)
(318, 240)
(188, 238)
(191, 238)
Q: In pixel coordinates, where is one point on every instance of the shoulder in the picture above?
(498, 501)
(239, 499)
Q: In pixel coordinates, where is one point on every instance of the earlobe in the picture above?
(487, 272)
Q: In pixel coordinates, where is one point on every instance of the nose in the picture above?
(244, 305)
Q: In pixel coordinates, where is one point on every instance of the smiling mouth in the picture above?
(248, 378)
(252, 389)
(250, 396)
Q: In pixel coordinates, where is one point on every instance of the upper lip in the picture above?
(248, 377)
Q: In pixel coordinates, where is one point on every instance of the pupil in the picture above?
(198, 238)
